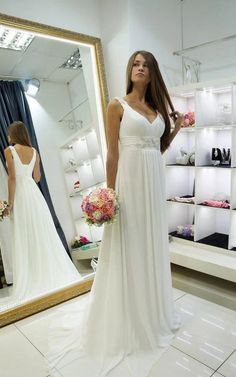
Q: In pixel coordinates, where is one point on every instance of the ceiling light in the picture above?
(73, 62)
(32, 87)
(14, 39)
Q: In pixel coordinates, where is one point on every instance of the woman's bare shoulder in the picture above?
(114, 107)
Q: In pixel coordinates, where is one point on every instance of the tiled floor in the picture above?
(205, 345)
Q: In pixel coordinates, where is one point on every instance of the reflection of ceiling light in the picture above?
(32, 87)
(190, 94)
(14, 39)
(73, 62)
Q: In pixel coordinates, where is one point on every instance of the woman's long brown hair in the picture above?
(157, 95)
(19, 134)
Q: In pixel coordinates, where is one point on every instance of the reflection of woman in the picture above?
(40, 262)
(131, 317)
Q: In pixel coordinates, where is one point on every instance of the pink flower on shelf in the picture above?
(84, 240)
(79, 241)
(189, 119)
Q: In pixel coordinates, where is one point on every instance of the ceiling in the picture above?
(40, 60)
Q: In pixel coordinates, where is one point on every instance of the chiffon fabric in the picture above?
(125, 324)
(40, 262)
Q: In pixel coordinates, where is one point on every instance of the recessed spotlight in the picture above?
(14, 39)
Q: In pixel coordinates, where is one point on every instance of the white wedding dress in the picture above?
(128, 320)
(40, 262)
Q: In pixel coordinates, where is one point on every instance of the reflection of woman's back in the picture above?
(40, 262)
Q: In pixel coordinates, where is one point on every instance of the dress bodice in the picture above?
(23, 171)
(136, 129)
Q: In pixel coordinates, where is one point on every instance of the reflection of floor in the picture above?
(205, 345)
(8, 302)
(6, 291)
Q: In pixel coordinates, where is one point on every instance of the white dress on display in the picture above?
(40, 261)
(129, 318)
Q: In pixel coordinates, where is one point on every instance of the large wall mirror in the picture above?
(66, 72)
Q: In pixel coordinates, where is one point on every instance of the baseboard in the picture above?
(208, 287)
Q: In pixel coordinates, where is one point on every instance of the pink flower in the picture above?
(100, 206)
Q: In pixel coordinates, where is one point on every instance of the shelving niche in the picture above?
(82, 161)
(212, 249)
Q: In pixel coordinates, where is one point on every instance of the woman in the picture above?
(130, 319)
(40, 262)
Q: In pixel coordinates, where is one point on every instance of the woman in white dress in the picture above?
(130, 318)
(40, 262)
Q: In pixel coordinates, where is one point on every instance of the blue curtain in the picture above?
(14, 107)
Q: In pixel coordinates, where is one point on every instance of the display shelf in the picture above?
(175, 234)
(187, 165)
(170, 201)
(214, 166)
(82, 161)
(179, 214)
(179, 184)
(206, 139)
(184, 143)
(83, 191)
(212, 184)
(216, 239)
(204, 258)
(214, 104)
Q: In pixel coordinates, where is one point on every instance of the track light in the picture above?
(32, 87)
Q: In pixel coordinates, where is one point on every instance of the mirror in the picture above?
(68, 117)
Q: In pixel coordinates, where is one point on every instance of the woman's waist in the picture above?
(140, 142)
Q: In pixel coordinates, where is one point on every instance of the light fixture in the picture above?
(32, 87)
(14, 39)
(73, 62)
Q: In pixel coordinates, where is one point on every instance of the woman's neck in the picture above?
(138, 94)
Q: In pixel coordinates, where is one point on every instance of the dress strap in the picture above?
(121, 100)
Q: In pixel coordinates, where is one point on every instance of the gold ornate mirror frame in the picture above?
(35, 306)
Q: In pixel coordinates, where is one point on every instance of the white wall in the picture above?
(129, 25)
(46, 108)
(115, 39)
(207, 20)
(154, 25)
(77, 15)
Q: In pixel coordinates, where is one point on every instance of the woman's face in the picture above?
(140, 71)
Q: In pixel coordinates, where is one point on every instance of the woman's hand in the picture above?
(7, 210)
(178, 119)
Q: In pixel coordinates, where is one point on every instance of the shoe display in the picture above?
(94, 263)
(70, 164)
(185, 158)
(77, 186)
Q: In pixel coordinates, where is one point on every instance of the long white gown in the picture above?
(129, 318)
(40, 261)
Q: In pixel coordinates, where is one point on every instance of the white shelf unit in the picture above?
(214, 105)
(82, 161)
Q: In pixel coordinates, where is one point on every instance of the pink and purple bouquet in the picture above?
(100, 206)
(3, 206)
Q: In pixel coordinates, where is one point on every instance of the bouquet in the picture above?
(79, 241)
(3, 206)
(100, 206)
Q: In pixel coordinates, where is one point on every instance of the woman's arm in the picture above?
(36, 172)
(11, 177)
(114, 115)
(179, 121)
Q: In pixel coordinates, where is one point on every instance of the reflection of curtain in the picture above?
(5, 231)
(13, 107)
